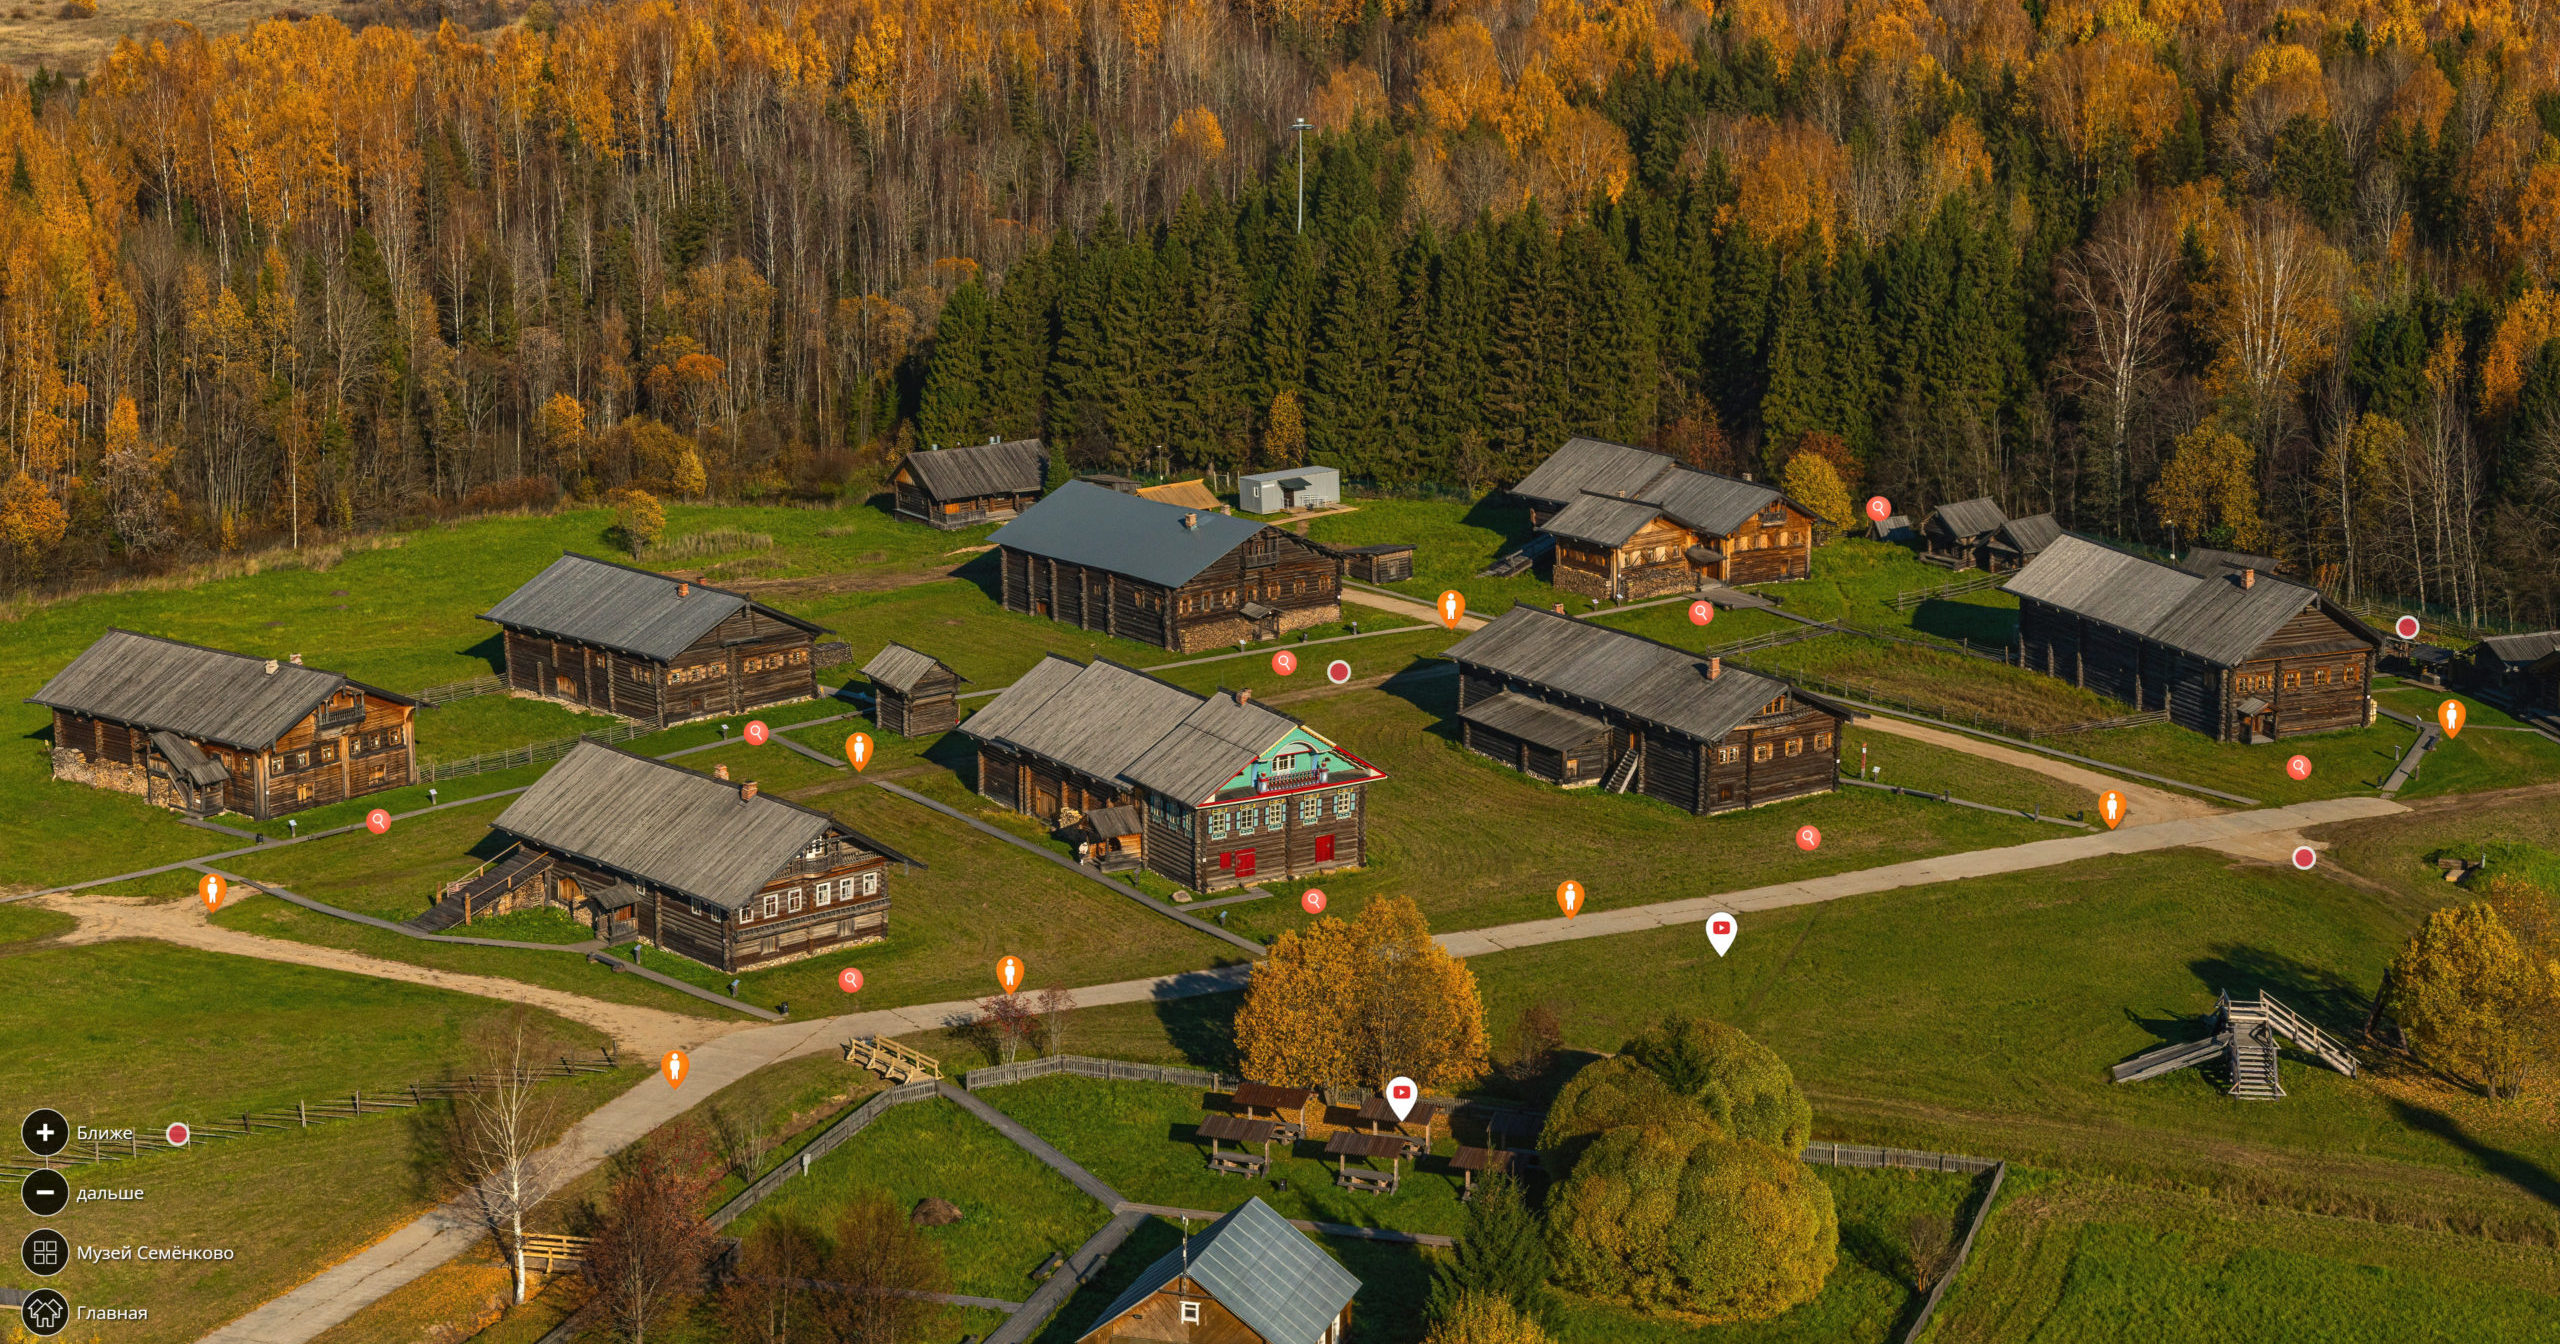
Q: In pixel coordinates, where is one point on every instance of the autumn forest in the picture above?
(2184, 272)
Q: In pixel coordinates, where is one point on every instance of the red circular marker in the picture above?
(2406, 627)
(2304, 856)
(1879, 508)
(1284, 662)
(377, 821)
(1337, 671)
(850, 979)
(758, 734)
(1701, 612)
(1808, 837)
(177, 1135)
(1312, 900)
(2299, 767)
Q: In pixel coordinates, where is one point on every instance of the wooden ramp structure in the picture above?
(894, 1062)
(2247, 1035)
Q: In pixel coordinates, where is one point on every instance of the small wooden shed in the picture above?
(1250, 1278)
(1387, 562)
(1961, 534)
(913, 693)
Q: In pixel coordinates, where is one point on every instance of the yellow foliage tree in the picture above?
(1284, 441)
(637, 515)
(31, 522)
(2209, 490)
(1486, 1318)
(1810, 479)
(2471, 999)
(1362, 1001)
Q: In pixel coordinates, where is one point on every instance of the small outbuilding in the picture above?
(2540, 689)
(1578, 704)
(1249, 1278)
(2506, 662)
(1191, 494)
(912, 694)
(660, 650)
(953, 488)
(203, 730)
(1291, 490)
(2020, 540)
(1960, 535)
(698, 864)
(1385, 562)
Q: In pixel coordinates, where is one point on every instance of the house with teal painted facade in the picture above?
(1230, 791)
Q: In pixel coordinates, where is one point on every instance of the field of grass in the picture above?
(1922, 765)
(26, 923)
(1951, 685)
(1014, 1210)
(2069, 1259)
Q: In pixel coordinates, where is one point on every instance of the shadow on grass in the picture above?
(492, 651)
(1964, 620)
(2522, 1172)
(957, 753)
(985, 569)
(2327, 999)
(1510, 521)
(1203, 1029)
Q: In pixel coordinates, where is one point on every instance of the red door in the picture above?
(1324, 849)
(1244, 863)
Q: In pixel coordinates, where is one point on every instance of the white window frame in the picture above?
(773, 905)
(1190, 1312)
(826, 894)
(1311, 809)
(1276, 816)
(747, 913)
(871, 883)
(794, 900)
(1248, 819)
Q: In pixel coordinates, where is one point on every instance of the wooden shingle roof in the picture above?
(2215, 618)
(1192, 494)
(209, 695)
(2207, 561)
(1122, 726)
(2520, 650)
(899, 668)
(1084, 524)
(1635, 676)
(1967, 518)
(668, 826)
(1703, 501)
(578, 597)
(1533, 720)
(1276, 1280)
(1015, 467)
(2029, 536)
(1601, 520)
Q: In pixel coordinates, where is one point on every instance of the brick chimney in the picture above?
(719, 772)
(297, 659)
(1191, 520)
(684, 590)
(1559, 608)
(2248, 578)
(271, 667)
(747, 792)
(1245, 696)
(1715, 668)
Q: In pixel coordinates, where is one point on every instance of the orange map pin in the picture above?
(857, 749)
(2111, 807)
(1453, 605)
(210, 887)
(673, 1066)
(1569, 897)
(2451, 714)
(1009, 974)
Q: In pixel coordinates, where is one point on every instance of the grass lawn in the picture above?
(1452, 540)
(1923, 765)
(2350, 760)
(1014, 1210)
(185, 1033)
(1949, 685)
(2069, 1259)
(466, 1298)
(22, 923)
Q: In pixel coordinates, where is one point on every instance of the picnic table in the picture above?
(1238, 1129)
(1469, 1161)
(1251, 1097)
(1375, 1112)
(1350, 1143)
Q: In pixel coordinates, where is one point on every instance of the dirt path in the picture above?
(2144, 805)
(647, 1032)
(1403, 606)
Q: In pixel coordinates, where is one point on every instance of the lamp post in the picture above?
(1302, 126)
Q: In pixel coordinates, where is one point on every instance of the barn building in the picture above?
(1384, 562)
(204, 731)
(1176, 578)
(1249, 1278)
(952, 488)
(2539, 688)
(608, 637)
(729, 876)
(1230, 790)
(1961, 535)
(1631, 524)
(2020, 540)
(912, 694)
(1576, 704)
(2238, 656)
(2506, 662)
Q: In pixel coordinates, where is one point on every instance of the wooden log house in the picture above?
(2238, 656)
(603, 636)
(2020, 540)
(1579, 704)
(203, 730)
(1386, 562)
(953, 488)
(1630, 524)
(912, 694)
(2506, 663)
(1961, 535)
(1231, 790)
(1176, 578)
(718, 871)
(1248, 1278)
(2539, 689)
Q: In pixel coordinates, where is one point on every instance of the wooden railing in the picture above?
(461, 690)
(532, 753)
(892, 1061)
(551, 1249)
(1906, 600)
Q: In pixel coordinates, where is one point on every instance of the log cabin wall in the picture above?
(1229, 844)
(953, 514)
(1275, 568)
(1777, 543)
(819, 906)
(1158, 1320)
(2314, 672)
(335, 754)
(1771, 758)
(932, 705)
(1036, 787)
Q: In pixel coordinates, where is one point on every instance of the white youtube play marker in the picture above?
(1401, 1094)
(1720, 931)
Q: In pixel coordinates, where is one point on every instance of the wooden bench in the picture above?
(1238, 1129)
(1348, 1144)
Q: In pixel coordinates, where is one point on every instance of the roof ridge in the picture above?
(208, 648)
(761, 796)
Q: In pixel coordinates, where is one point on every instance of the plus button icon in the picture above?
(45, 1132)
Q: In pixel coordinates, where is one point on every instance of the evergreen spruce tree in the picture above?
(1348, 375)
(951, 410)
(1450, 403)
(1017, 350)
(1746, 279)
(1286, 321)
(1502, 1251)
(1138, 376)
(1611, 383)
(1525, 386)
(1076, 363)
(1209, 410)
(1399, 456)
(1849, 347)
(1798, 395)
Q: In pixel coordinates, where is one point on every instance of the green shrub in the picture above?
(1680, 1220)
(1485, 1318)
(1742, 1084)
(1604, 1096)
(1502, 1252)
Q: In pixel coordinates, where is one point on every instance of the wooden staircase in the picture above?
(893, 1062)
(1622, 776)
(482, 887)
(2249, 1035)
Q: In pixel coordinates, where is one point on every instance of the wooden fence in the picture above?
(853, 1122)
(301, 1115)
(829, 653)
(532, 753)
(1084, 1066)
(1909, 598)
(461, 690)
